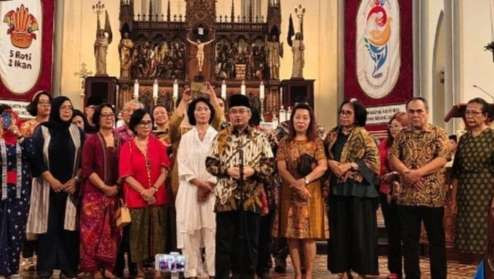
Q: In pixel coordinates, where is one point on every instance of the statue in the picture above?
(200, 52)
(298, 57)
(298, 46)
(275, 51)
(125, 49)
(103, 40)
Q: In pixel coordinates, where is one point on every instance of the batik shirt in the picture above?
(225, 153)
(416, 148)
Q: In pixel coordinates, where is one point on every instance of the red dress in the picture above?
(145, 169)
(99, 235)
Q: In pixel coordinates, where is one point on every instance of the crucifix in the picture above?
(83, 74)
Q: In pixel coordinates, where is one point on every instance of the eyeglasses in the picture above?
(239, 111)
(473, 113)
(346, 112)
(145, 122)
(107, 115)
(41, 103)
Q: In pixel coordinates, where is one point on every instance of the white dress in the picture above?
(193, 216)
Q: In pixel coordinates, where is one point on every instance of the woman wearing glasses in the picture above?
(143, 168)
(473, 193)
(99, 234)
(353, 162)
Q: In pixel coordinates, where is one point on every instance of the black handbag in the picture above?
(305, 164)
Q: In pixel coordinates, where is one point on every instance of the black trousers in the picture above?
(412, 217)
(29, 248)
(265, 242)
(393, 230)
(353, 231)
(237, 236)
(123, 248)
(57, 248)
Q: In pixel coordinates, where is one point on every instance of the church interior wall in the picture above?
(320, 27)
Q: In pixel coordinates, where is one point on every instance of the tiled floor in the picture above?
(455, 270)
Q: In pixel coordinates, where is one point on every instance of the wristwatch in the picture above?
(306, 180)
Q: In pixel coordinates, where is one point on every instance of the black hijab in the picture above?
(55, 122)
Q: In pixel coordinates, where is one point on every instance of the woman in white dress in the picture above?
(196, 221)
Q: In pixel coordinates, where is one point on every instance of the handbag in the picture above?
(122, 215)
(305, 164)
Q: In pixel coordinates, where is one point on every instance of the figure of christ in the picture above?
(200, 51)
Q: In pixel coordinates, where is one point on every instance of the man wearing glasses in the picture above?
(241, 159)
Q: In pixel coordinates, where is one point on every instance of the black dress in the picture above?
(57, 248)
(352, 222)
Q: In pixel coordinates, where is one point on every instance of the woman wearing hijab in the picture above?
(15, 183)
(53, 201)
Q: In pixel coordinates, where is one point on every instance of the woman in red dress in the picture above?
(99, 234)
(143, 167)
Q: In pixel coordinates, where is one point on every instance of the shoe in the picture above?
(28, 264)
(280, 269)
(393, 276)
(264, 275)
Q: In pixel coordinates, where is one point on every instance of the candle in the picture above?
(116, 96)
(242, 88)
(281, 96)
(223, 90)
(261, 90)
(175, 89)
(155, 89)
(136, 89)
(491, 16)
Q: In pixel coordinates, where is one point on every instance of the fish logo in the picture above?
(22, 27)
(377, 36)
(378, 46)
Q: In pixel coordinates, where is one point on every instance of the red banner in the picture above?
(379, 56)
(26, 48)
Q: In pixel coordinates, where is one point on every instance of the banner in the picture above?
(26, 48)
(379, 56)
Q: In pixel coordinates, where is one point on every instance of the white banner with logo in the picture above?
(20, 44)
(378, 57)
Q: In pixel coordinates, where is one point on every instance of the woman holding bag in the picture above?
(301, 163)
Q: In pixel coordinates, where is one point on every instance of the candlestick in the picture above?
(175, 89)
(155, 90)
(261, 90)
(242, 88)
(223, 90)
(136, 89)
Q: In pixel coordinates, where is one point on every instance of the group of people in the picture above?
(203, 180)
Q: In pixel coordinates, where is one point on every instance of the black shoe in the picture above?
(280, 269)
(44, 274)
(264, 275)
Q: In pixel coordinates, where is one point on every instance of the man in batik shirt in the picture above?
(419, 153)
(242, 159)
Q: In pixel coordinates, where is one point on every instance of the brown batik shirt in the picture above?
(256, 153)
(416, 148)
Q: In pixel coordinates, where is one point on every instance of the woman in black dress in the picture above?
(53, 202)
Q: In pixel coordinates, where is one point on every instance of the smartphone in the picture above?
(6, 119)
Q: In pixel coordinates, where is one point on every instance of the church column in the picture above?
(453, 80)
(57, 58)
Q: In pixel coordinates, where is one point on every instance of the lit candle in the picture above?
(136, 89)
(491, 16)
(281, 96)
(223, 90)
(155, 89)
(242, 88)
(175, 89)
(261, 90)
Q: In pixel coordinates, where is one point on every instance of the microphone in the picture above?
(484, 91)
